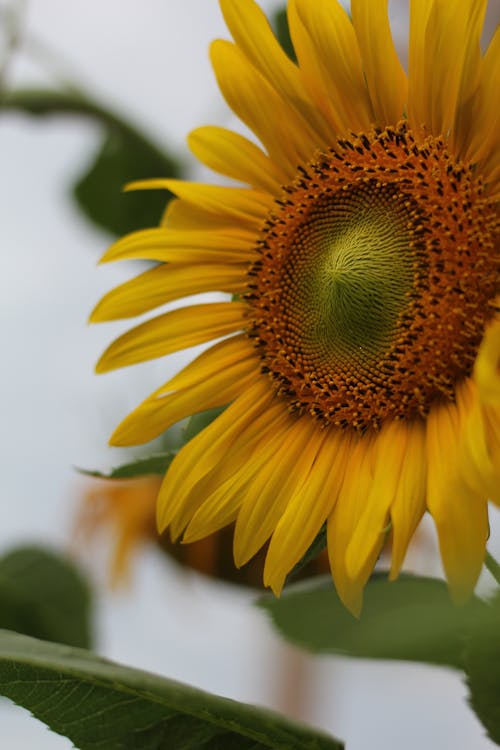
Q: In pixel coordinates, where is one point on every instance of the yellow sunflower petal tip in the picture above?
(355, 605)
(101, 365)
(368, 291)
(351, 596)
(94, 316)
(151, 184)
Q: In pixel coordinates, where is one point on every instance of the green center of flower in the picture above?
(348, 275)
(377, 276)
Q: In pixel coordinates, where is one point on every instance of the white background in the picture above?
(149, 60)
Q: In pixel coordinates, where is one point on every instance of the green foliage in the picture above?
(99, 192)
(482, 666)
(158, 463)
(411, 619)
(44, 595)
(100, 705)
(282, 31)
(125, 154)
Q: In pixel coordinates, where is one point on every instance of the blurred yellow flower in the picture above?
(126, 507)
(360, 355)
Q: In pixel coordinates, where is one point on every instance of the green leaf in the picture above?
(125, 154)
(99, 193)
(158, 463)
(482, 666)
(282, 31)
(412, 619)
(100, 705)
(44, 595)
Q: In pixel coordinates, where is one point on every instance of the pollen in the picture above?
(377, 275)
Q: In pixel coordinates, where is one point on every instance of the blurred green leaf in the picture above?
(412, 619)
(158, 463)
(482, 667)
(282, 31)
(100, 705)
(44, 595)
(125, 154)
(99, 192)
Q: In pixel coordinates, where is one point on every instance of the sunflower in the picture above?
(126, 509)
(359, 354)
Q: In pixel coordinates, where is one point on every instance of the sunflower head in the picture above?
(369, 303)
(359, 355)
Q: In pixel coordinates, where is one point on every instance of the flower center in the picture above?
(347, 276)
(377, 275)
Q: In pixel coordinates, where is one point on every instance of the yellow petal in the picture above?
(160, 411)
(178, 329)
(460, 514)
(224, 488)
(468, 94)
(330, 61)
(277, 473)
(420, 66)
(204, 451)
(166, 283)
(254, 37)
(487, 365)
(478, 455)
(215, 511)
(217, 357)
(311, 73)
(443, 39)
(408, 505)
(385, 77)
(309, 507)
(183, 246)
(344, 517)
(184, 216)
(370, 531)
(484, 136)
(235, 156)
(491, 420)
(243, 203)
(288, 140)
